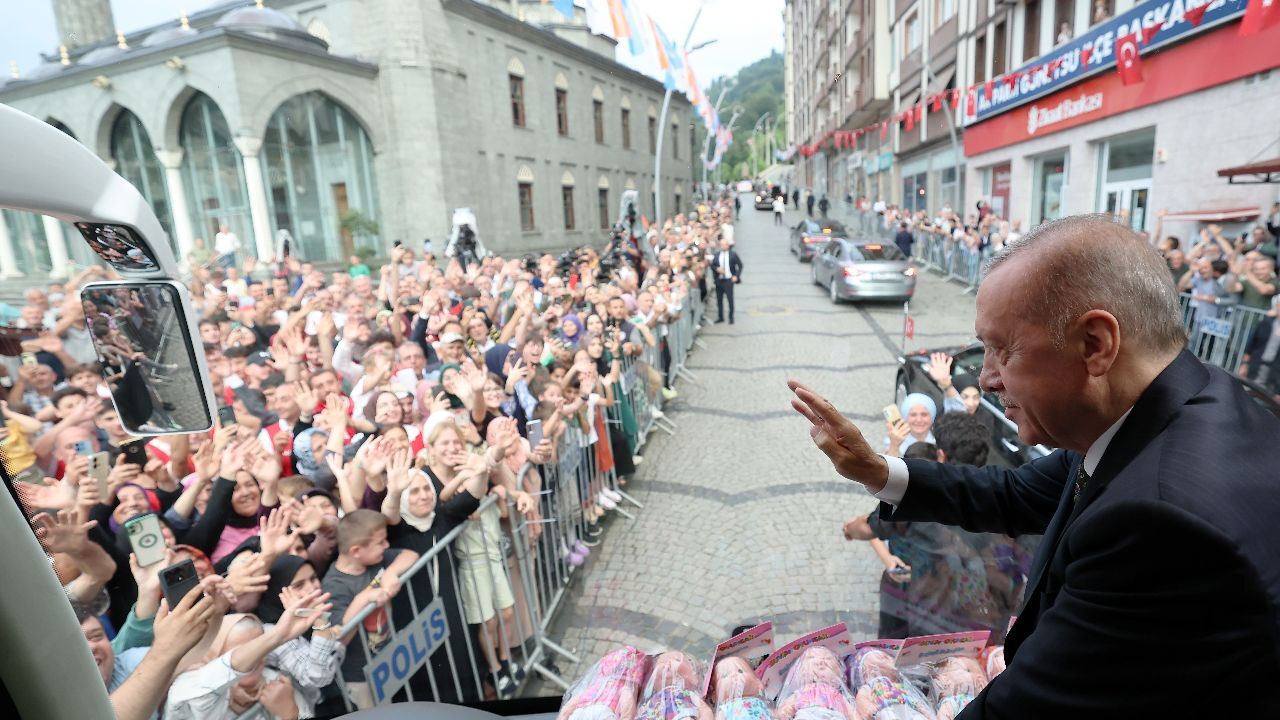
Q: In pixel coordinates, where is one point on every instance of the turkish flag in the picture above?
(1128, 59)
(1084, 56)
(971, 103)
(1260, 15)
(910, 117)
(937, 103)
(920, 113)
(1195, 15)
(1148, 33)
(909, 328)
(884, 130)
(955, 98)
(989, 88)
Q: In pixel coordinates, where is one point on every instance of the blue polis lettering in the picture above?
(392, 667)
(1099, 44)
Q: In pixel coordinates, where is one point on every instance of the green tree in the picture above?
(759, 90)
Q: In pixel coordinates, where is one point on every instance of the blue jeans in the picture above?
(227, 261)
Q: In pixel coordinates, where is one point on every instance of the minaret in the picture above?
(83, 22)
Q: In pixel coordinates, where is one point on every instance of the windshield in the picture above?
(498, 303)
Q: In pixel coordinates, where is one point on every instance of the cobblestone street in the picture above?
(742, 514)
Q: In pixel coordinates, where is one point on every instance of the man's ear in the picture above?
(942, 455)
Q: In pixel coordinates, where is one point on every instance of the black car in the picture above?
(810, 236)
(1007, 448)
(765, 195)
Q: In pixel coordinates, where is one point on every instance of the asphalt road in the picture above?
(742, 517)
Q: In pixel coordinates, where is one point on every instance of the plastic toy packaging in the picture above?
(880, 691)
(738, 693)
(955, 682)
(674, 690)
(610, 689)
(992, 660)
(814, 689)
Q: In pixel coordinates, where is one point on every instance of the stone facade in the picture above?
(428, 82)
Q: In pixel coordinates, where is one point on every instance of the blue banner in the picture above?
(1066, 64)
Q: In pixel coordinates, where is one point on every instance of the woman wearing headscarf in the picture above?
(308, 458)
(417, 520)
(313, 659)
(609, 365)
(571, 328)
(918, 411)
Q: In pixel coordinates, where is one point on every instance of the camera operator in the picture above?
(464, 244)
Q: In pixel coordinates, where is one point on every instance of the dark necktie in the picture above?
(1082, 480)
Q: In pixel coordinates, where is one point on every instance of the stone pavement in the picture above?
(742, 514)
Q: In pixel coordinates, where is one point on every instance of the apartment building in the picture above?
(1057, 136)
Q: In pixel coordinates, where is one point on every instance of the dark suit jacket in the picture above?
(735, 265)
(1158, 594)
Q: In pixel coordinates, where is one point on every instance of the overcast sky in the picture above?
(744, 30)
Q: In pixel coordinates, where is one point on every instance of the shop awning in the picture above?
(1231, 215)
(1267, 171)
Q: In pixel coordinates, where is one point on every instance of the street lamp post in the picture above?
(755, 163)
(662, 128)
(706, 146)
(737, 111)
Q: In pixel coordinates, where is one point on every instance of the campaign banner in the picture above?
(1156, 23)
(395, 663)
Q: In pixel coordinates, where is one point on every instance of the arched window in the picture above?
(136, 162)
(213, 174)
(317, 163)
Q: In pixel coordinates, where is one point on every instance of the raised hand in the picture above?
(940, 368)
(264, 466)
(250, 575)
(300, 613)
(398, 475)
(303, 395)
(65, 534)
(178, 630)
(274, 534)
(839, 439)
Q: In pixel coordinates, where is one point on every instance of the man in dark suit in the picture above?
(1156, 589)
(904, 239)
(728, 271)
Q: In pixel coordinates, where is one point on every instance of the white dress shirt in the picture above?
(896, 486)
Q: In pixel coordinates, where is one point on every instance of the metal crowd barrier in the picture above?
(1219, 338)
(530, 555)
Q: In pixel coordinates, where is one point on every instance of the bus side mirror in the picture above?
(144, 341)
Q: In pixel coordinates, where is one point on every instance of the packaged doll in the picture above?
(992, 660)
(674, 690)
(814, 689)
(880, 692)
(956, 681)
(610, 688)
(738, 692)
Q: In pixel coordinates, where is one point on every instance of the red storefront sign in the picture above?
(1213, 58)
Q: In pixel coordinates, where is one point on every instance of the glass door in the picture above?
(1128, 202)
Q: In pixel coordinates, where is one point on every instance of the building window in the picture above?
(516, 84)
(1031, 30)
(597, 112)
(999, 50)
(1064, 20)
(602, 197)
(626, 129)
(562, 112)
(526, 206)
(212, 172)
(980, 58)
(911, 33)
(653, 134)
(675, 140)
(1102, 11)
(943, 10)
(136, 161)
(566, 199)
(679, 203)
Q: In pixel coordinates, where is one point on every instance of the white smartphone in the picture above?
(146, 538)
(99, 471)
(533, 429)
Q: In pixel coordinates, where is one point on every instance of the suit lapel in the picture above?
(1173, 387)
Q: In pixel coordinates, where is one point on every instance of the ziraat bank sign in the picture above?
(1187, 68)
(1041, 117)
(1095, 51)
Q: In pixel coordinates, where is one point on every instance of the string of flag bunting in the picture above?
(644, 38)
(1129, 48)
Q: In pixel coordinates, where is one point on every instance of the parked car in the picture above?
(1006, 447)
(809, 236)
(863, 270)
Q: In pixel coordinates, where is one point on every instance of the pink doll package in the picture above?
(610, 688)
(814, 689)
(992, 660)
(674, 690)
(738, 693)
(955, 682)
(880, 691)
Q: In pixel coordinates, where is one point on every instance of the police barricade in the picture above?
(1219, 334)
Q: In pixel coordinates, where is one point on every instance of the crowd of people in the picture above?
(374, 412)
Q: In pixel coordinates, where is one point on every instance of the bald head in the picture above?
(1087, 262)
